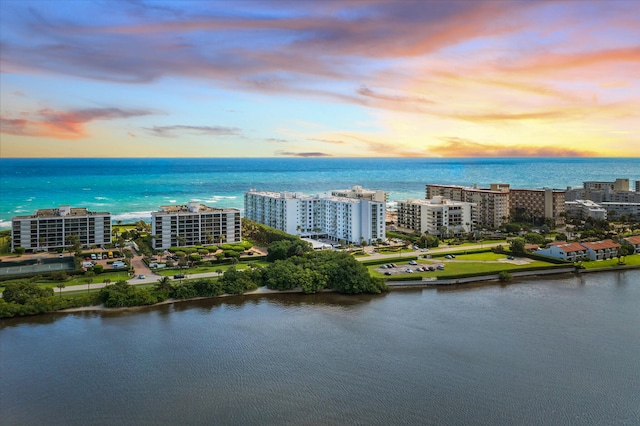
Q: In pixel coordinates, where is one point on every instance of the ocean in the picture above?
(131, 188)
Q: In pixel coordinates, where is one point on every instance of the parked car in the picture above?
(408, 271)
(178, 276)
(141, 276)
(413, 262)
(387, 273)
(431, 268)
(448, 257)
(440, 267)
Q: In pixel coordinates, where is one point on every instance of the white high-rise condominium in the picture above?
(350, 217)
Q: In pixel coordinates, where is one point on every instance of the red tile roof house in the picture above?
(635, 242)
(600, 250)
(572, 252)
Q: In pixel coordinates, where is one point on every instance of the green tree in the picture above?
(19, 251)
(624, 250)
(237, 282)
(75, 247)
(517, 246)
(60, 285)
(23, 292)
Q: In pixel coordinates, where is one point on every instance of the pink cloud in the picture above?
(63, 124)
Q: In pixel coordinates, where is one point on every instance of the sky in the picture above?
(362, 78)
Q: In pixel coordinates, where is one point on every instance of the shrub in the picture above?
(505, 276)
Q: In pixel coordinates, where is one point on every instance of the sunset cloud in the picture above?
(63, 124)
(176, 130)
(302, 154)
(460, 147)
(375, 78)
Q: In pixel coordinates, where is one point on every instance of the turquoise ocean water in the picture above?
(131, 188)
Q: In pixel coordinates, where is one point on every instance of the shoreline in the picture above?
(491, 279)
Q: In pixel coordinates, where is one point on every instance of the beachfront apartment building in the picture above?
(351, 219)
(49, 229)
(194, 224)
(619, 184)
(436, 216)
(600, 192)
(539, 203)
(492, 204)
(358, 192)
(583, 209)
(496, 204)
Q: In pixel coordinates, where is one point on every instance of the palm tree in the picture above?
(60, 285)
(89, 279)
(164, 285)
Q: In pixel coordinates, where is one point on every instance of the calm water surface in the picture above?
(552, 351)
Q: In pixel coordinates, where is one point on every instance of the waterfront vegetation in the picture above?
(290, 265)
(629, 260)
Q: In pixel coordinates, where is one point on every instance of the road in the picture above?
(151, 278)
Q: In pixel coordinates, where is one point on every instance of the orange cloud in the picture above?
(63, 124)
(556, 61)
(461, 147)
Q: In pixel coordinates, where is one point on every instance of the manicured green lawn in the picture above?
(486, 256)
(633, 260)
(457, 268)
(475, 243)
(205, 269)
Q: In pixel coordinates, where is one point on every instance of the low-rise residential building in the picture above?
(601, 250)
(436, 216)
(357, 215)
(194, 224)
(51, 228)
(583, 209)
(635, 242)
(572, 252)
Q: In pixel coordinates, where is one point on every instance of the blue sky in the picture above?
(359, 78)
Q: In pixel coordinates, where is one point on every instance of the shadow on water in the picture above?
(283, 299)
(330, 299)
